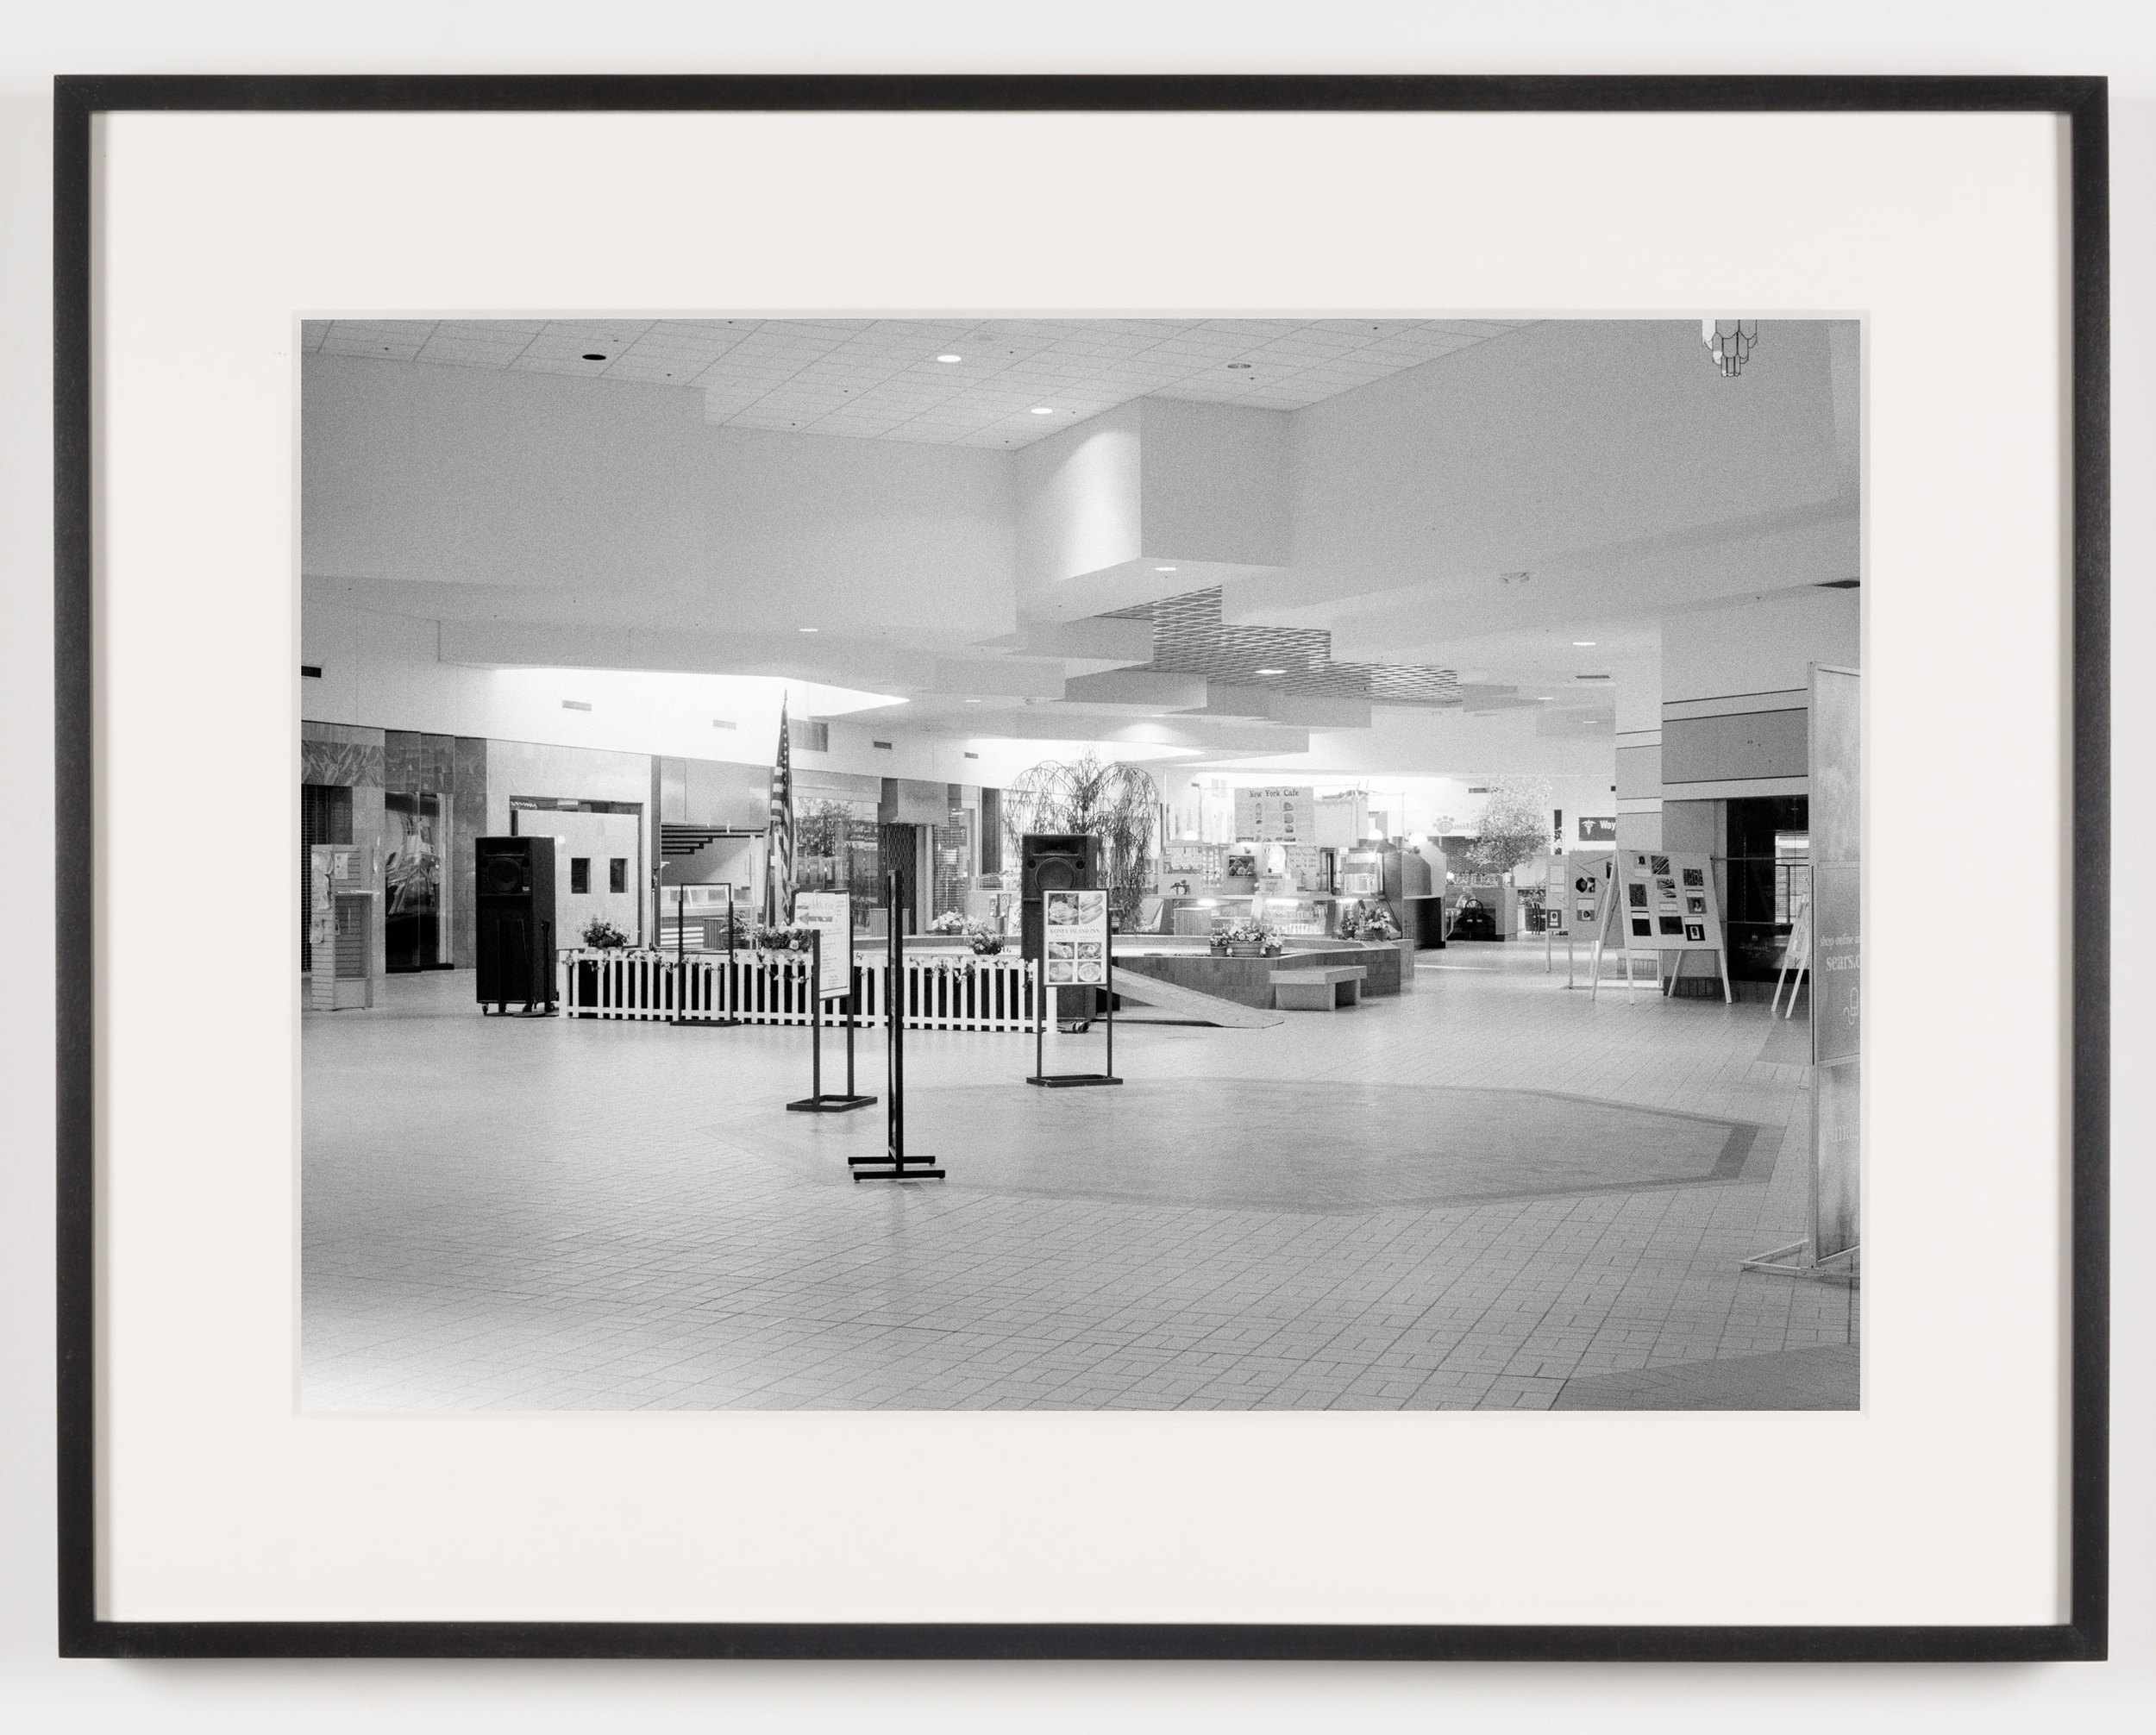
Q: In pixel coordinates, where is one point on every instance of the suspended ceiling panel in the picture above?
(1014, 381)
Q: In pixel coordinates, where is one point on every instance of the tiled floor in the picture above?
(1468, 1197)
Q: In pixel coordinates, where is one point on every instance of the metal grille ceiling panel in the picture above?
(881, 378)
(1189, 637)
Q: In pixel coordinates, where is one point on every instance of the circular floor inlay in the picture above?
(1257, 1144)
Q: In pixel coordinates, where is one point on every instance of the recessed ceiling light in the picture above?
(1043, 410)
(973, 701)
(1164, 569)
(1272, 670)
(1582, 644)
(595, 358)
(951, 358)
(808, 630)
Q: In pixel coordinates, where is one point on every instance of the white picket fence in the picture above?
(985, 994)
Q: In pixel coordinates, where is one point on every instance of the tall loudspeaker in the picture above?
(1052, 861)
(516, 925)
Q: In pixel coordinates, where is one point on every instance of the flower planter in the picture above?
(1246, 948)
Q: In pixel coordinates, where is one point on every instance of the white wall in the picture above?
(857, 537)
(599, 838)
(621, 501)
(1502, 456)
(380, 671)
(1214, 482)
(1078, 501)
(418, 473)
(1765, 644)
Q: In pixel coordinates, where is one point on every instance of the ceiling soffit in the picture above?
(1190, 638)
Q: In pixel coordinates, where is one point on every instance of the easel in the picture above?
(1609, 906)
(1603, 894)
(1618, 909)
(895, 1164)
(819, 1100)
(1800, 949)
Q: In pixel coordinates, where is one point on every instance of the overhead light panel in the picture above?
(1043, 410)
(951, 358)
(1582, 644)
(808, 630)
(1272, 670)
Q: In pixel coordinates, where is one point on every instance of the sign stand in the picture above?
(680, 1020)
(1795, 957)
(819, 1100)
(1612, 908)
(895, 1164)
(1043, 994)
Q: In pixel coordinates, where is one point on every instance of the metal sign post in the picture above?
(819, 1100)
(1082, 923)
(895, 1164)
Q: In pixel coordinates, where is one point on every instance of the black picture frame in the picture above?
(2081, 100)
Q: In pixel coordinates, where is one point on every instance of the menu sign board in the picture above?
(1284, 815)
(830, 914)
(1074, 936)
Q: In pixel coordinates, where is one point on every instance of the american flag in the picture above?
(778, 848)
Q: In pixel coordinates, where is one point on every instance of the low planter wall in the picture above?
(1248, 981)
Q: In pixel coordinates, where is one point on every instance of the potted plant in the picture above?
(985, 937)
(599, 935)
(1250, 938)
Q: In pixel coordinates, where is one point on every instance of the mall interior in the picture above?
(1434, 707)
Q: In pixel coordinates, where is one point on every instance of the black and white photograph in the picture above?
(1262, 660)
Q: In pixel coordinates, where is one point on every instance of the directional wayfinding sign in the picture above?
(830, 914)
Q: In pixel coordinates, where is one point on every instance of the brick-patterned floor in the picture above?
(537, 1214)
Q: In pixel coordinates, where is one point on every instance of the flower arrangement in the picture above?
(781, 945)
(1371, 922)
(951, 921)
(986, 936)
(602, 936)
(1249, 935)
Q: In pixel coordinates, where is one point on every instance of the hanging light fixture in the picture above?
(1731, 342)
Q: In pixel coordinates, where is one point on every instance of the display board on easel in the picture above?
(1578, 905)
(1664, 902)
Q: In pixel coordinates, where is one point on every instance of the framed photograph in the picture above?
(540, 507)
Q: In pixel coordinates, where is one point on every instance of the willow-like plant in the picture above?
(1117, 802)
(1515, 825)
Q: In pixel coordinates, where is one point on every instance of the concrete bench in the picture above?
(1318, 991)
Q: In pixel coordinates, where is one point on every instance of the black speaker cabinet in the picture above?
(1052, 861)
(1058, 862)
(516, 927)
